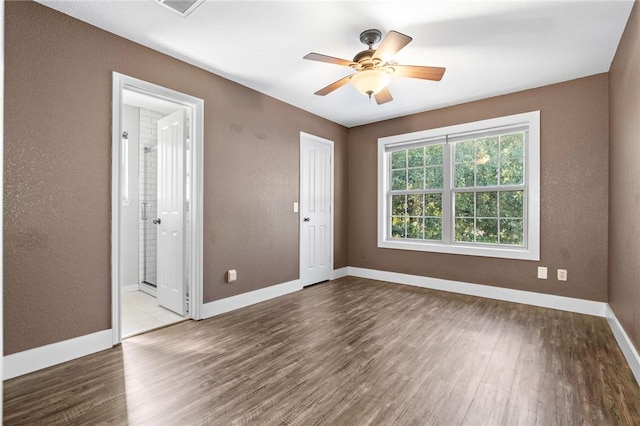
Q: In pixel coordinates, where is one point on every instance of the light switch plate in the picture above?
(295, 207)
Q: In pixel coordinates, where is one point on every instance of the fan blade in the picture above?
(392, 44)
(414, 71)
(333, 86)
(383, 96)
(328, 59)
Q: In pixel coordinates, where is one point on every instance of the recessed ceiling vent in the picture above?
(181, 7)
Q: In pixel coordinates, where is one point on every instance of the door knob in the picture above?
(307, 219)
(157, 221)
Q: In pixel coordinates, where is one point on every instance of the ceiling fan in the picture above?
(373, 67)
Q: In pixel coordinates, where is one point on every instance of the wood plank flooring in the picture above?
(347, 352)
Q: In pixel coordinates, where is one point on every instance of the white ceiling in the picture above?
(488, 47)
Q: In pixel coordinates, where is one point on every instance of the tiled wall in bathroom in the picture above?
(148, 190)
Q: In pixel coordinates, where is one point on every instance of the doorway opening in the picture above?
(141, 308)
(156, 207)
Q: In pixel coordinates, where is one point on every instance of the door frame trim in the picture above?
(195, 213)
(304, 135)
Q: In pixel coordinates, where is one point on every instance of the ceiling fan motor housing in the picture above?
(363, 59)
(365, 55)
(370, 37)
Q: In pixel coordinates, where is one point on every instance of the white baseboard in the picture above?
(232, 303)
(340, 273)
(628, 350)
(56, 353)
(562, 303)
(129, 288)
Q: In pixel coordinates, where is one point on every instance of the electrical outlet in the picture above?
(232, 275)
(562, 274)
(542, 272)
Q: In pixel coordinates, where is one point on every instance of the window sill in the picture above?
(531, 253)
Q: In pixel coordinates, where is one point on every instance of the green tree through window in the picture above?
(416, 193)
(484, 212)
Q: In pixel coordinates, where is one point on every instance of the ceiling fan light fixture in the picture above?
(373, 71)
(370, 82)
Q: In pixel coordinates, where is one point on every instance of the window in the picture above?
(467, 189)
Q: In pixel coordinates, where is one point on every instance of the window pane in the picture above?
(511, 145)
(433, 155)
(465, 151)
(464, 175)
(433, 229)
(511, 171)
(416, 157)
(487, 149)
(433, 177)
(416, 179)
(511, 232)
(398, 159)
(415, 228)
(487, 204)
(399, 179)
(487, 174)
(414, 204)
(398, 205)
(487, 231)
(397, 227)
(464, 230)
(433, 205)
(511, 204)
(464, 204)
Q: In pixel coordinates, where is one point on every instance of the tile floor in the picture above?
(141, 312)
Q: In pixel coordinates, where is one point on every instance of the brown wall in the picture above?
(57, 180)
(624, 187)
(58, 170)
(574, 186)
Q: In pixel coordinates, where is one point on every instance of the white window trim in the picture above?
(532, 167)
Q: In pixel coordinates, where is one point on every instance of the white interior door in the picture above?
(171, 211)
(316, 197)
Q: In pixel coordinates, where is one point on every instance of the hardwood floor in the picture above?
(347, 352)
